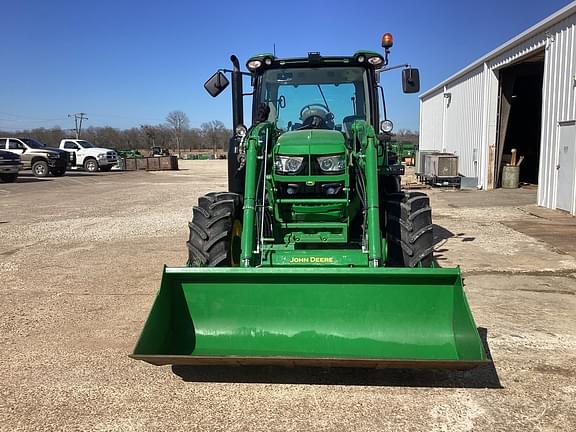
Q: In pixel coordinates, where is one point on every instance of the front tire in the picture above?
(215, 231)
(409, 230)
(91, 165)
(40, 169)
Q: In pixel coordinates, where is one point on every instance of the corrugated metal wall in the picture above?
(558, 105)
(431, 121)
(515, 55)
(463, 124)
(469, 120)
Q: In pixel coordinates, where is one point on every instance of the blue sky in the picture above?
(127, 62)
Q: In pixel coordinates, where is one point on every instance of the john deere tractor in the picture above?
(314, 256)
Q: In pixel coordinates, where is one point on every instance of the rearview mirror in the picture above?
(216, 84)
(410, 80)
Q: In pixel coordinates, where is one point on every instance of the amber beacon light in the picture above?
(387, 40)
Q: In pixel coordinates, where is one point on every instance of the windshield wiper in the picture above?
(323, 97)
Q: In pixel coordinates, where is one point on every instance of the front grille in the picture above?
(318, 190)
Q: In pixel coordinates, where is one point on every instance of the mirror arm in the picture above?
(231, 71)
(386, 69)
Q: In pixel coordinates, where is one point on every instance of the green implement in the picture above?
(377, 317)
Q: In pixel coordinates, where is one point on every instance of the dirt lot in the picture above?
(80, 262)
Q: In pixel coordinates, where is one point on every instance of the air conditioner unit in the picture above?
(439, 165)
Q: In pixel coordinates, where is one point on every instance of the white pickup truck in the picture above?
(88, 156)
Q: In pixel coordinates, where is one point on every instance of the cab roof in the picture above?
(359, 58)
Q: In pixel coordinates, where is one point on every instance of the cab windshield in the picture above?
(86, 144)
(315, 98)
(33, 143)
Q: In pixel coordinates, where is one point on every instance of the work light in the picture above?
(386, 126)
(254, 64)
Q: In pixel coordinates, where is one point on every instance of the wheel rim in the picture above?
(235, 238)
(40, 169)
(91, 165)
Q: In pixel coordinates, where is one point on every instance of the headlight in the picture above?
(288, 164)
(101, 155)
(332, 163)
(53, 156)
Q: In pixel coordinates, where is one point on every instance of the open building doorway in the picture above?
(520, 117)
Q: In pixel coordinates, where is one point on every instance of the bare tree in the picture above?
(212, 135)
(178, 122)
(407, 135)
(150, 132)
(214, 132)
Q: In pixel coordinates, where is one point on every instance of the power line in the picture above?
(78, 117)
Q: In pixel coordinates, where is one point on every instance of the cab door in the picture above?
(72, 147)
(18, 147)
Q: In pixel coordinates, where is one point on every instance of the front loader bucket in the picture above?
(360, 317)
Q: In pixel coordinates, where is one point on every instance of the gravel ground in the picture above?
(80, 261)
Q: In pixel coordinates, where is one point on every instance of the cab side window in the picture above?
(15, 145)
(70, 145)
(3, 143)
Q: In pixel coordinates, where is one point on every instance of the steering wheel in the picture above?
(315, 116)
(314, 109)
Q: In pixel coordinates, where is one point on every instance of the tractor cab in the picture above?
(303, 96)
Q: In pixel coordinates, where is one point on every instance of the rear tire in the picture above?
(215, 231)
(409, 230)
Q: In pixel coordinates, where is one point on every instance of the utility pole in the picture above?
(78, 117)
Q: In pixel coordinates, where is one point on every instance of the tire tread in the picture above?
(210, 229)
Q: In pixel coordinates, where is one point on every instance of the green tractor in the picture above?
(314, 256)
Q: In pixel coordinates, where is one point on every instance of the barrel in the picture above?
(510, 177)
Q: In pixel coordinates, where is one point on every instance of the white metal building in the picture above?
(521, 95)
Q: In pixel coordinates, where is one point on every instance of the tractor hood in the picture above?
(311, 141)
